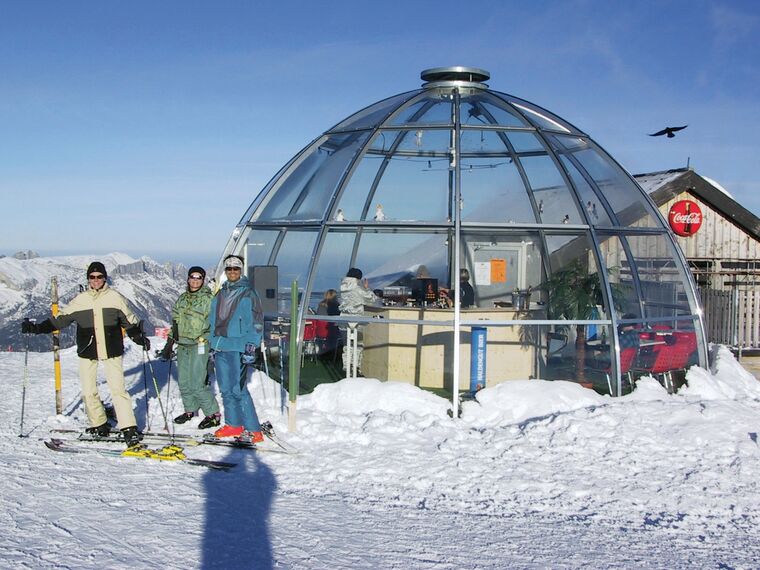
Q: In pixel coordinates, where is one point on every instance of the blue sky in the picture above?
(149, 127)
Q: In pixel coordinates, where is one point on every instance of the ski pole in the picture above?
(169, 381)
(145, 392)
(23, 386)
(158, 393)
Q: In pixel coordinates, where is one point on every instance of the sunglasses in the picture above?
(232, 269)
(96, 277)
(196, 277)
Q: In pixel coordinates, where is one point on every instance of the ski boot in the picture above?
(210, 421)
(184, 417)
(250, 437)
(229, 431)
(103, 430)
(267, 429)
(131, 436)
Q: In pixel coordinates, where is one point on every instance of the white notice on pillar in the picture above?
(483, 272)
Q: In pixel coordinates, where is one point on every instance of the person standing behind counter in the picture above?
(466, 292)
(354, 294)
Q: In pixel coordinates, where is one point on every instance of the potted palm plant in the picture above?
(573, 294)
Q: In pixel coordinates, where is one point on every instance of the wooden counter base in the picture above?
(423, 355)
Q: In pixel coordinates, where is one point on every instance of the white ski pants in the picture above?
(122, 402)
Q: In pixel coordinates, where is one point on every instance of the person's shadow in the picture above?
(238, 502)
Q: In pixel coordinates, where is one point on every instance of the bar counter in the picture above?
(423, 355)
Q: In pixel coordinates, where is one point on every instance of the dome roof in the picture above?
(519, 164)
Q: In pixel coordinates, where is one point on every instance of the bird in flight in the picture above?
(670, 131)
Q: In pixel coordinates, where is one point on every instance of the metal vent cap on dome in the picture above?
(458, 74)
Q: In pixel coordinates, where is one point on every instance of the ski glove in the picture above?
(28, 327)
(137, 336)
(249, 356)
(166, 352)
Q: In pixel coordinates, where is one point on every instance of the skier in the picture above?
(100, 314)
(190, 331)
(236, 322)
(354, 294)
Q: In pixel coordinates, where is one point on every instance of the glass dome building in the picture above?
(574, 274)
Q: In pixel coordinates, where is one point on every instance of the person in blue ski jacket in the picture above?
(236, 324)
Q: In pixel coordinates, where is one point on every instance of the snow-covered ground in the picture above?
(534, 475)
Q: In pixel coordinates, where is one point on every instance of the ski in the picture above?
(268, 431)
(167, 453)
(184, 439)
(116, 435)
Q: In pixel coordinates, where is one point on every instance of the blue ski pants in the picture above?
(238, 404)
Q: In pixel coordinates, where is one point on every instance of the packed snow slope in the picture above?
(533, 475)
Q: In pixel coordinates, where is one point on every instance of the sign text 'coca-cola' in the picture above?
(685, 218)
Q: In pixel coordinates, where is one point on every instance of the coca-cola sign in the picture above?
(685, 218)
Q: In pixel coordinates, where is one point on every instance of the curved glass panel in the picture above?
(661, 276)
(333, 263)
(259, 246)
(626, 199)
(374, 114)
(552, 196)
(575, 290)
(306, 192)
(618, 265)
(493, 191)
(392, 259)
(485, 109)
(247, 216)
(526, 142)
(292, 258)
(595, 210)
(485, 143)
(404, 171)
(431, 108)
(538, 116)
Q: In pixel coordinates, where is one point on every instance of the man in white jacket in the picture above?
(354, 294)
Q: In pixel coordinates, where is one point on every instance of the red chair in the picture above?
(327, 336)
(673, 355)
(309, 340)
(627, 357)
(322, 330)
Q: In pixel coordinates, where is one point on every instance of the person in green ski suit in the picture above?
(190, 331)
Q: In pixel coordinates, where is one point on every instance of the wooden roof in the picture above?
(667, 184)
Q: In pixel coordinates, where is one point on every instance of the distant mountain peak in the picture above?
(26, 254)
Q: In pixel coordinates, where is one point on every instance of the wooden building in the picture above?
(723, 252)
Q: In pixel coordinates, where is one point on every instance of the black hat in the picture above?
(196, 269)
(354, 272)
(95, 267)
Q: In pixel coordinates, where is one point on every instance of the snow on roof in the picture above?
(716, 185)
(655, 180)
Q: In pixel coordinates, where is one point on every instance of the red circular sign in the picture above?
(685, 218)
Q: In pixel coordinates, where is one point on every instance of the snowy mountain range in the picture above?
(25, 291)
